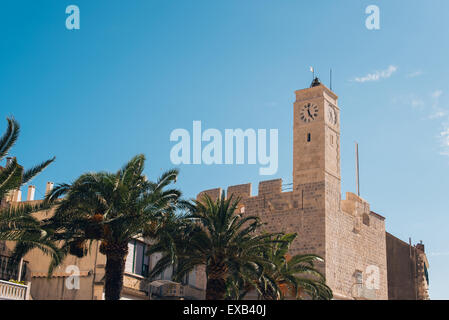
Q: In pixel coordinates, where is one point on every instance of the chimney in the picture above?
(48, 188)
(17, 196)
(31, 191)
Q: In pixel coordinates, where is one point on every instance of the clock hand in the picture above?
(308, 111)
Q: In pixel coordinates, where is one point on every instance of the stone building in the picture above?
(362, 260)
(359, 261)
(89, 270)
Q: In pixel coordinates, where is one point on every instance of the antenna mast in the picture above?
(357, 168)
(330, 76)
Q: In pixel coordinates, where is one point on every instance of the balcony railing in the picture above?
(14, 291)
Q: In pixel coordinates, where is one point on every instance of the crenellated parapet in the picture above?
(244, 191)
(270, 187)
(240, 191)
(214, 194)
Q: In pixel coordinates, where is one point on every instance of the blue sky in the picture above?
(136, 70)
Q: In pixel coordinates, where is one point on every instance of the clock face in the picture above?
(332, 115)
(309, 112)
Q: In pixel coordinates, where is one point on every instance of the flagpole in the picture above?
(357, 168)
(331, 79)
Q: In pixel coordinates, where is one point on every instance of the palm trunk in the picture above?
(268, 294)
(115, 268)
(216, 289)
(216, 281)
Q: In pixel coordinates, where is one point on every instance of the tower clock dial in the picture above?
(332, 115)
(309, 112)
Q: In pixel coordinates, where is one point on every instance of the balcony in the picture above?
(14, 291)
(11, 290)
(166, 289)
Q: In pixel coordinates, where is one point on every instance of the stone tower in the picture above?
(316, 137)
(346, 233)
(316, 166)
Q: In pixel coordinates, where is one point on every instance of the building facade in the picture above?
(83, 278)
(361, 260)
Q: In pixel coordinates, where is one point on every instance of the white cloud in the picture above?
(437, 94)
(434, 254)
(445, 134)
(438, 114)
(409, 100)
(430, 106)
(414, 74)
(376, 76)
(416, 102)
(444, 138)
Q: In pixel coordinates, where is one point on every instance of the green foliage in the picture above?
(112, 208)
(13, 176)
(16, 221)
(213, 235)
(237, 256)
(294, 276)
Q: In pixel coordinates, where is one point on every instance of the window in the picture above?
(366, 219)
(186, 279)
(137, 261)
(332, 139)
(309, 137)
(358, 275)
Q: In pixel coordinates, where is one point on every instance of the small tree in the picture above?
(112, 208)
(215, 236)
(291, 276)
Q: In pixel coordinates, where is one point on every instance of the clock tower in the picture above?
(346, 233)
(316, 135)
(316, 169)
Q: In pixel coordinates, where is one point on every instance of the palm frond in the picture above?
(9, 138)
(31, 173)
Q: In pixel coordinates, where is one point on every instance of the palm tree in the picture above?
(218, 238)
(112, 208)
(291, 275)
(16, 221)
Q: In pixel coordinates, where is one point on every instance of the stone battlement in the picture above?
(245, 190)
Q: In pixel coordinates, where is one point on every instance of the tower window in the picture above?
(365, 219)
(309, 137)
(358, 275)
